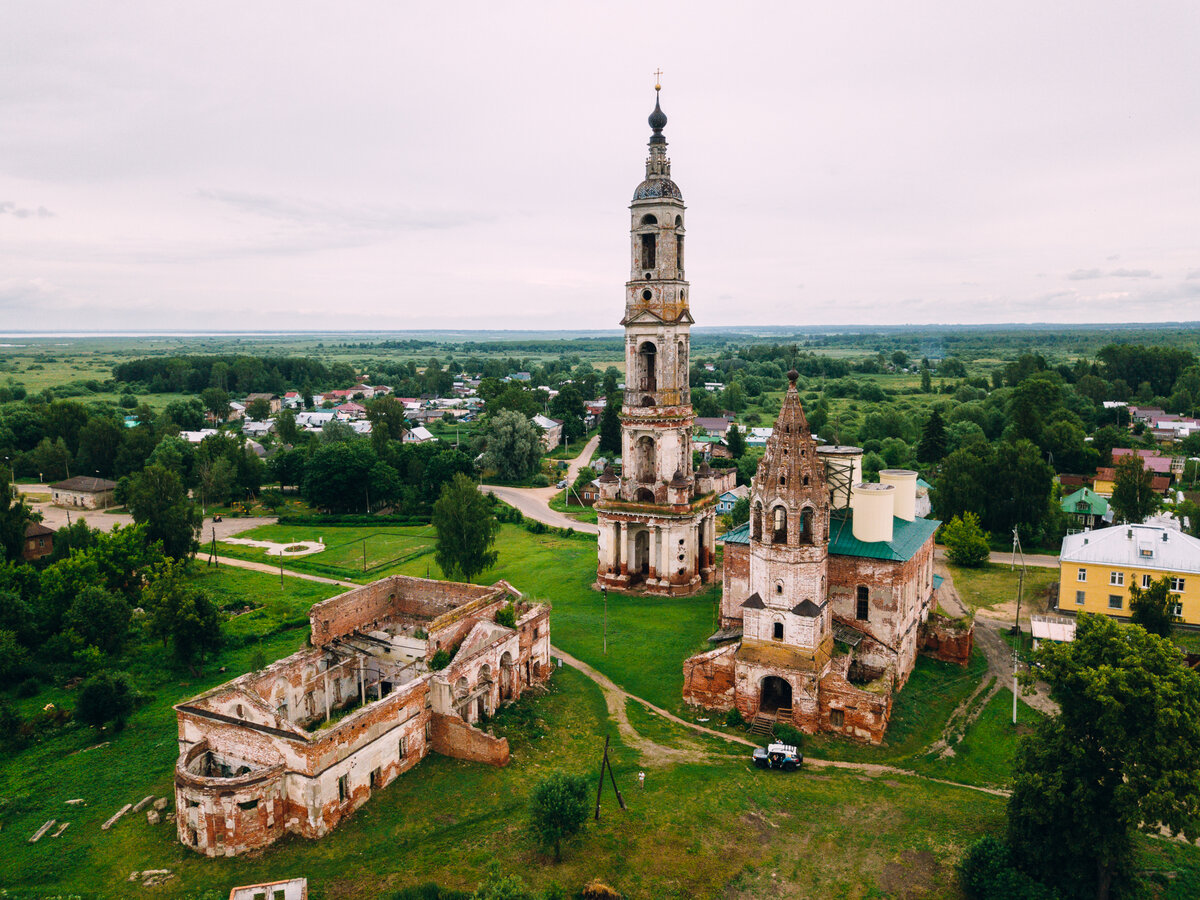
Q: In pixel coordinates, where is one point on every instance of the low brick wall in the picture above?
(948, 640)
(453, 737)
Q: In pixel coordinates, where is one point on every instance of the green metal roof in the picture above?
(1085, 502)
(907, 538)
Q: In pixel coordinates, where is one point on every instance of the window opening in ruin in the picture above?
(248, 804)
(645, 459)
(343, 787)
(649, 219)
(679, 221)
(647, 360)
(647, 294)
(863, 603)
(805, 481)
(837, 718)
(806, 526)
(400, 751)
(241, 712)
(648, 242)
(779, 526)
(192, 836)
(778, 634)
(756, 525)
(679, 252)
(376, 777)
(782, 480)
(779, 587)
(776, 694)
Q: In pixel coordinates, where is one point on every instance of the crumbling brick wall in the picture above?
(864, 714)
(451, 736)
(949, 640)
(735, 584)
(708, 678)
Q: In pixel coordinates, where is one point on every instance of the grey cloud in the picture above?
(1085, 274)
(1193, 275)
(1131, 273)
(7, 207)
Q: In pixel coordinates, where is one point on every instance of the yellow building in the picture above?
(1097, 568)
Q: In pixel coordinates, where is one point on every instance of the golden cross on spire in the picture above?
(658, 79)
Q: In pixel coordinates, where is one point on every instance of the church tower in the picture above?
(657, 521)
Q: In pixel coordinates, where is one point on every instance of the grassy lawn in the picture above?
(573, 449)
(581, 513)
(385, 548)
(993, 584)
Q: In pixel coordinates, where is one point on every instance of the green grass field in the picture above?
(994, 584)
(349, 550)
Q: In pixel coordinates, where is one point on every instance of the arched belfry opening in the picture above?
(649, 242)
(648, 366)
(806, 526)
(645, 459)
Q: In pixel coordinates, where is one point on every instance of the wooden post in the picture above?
(600, 786)
(613, 778)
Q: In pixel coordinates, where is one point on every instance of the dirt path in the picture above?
(534, 503)
(615, 698)
(1005, 558)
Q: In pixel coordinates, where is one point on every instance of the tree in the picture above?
(568, 406)
(1133, 496)
(514, 447)
(612, 378)
(216, 478)
(338, 477)
(1122, 755)
(734, 396)
(99, 619)
(466, 530)
(926, 382)
(104, 698)
(181, 614)
(216, 401)
(258, 409)
(286, 428)
(157, 499)
(740, 514)
(735, 442)
(559, 809)
(1154, 607)
(933, 439)
(14, 516)
(966, 543)
(610, 429)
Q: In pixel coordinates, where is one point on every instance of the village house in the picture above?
(291, 889)
(298, 746)
(1097, 568)
(83, 491)
(418, 434)
(830, 588)
(727, 500)
(551, 431)
(38, 542)
(274, 401)
(1087, 508)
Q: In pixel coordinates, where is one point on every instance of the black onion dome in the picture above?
(653, 188)
(658, 121)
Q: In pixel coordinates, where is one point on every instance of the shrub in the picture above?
(559, 809)
(966, 543)
(440, 660)
(507, 616)
(734, 719)
(104, 698)
(789, 734)
(987, 872)
(29, 688)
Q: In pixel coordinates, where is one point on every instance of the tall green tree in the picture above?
(513, 447)
(181, 614)
(466, 530)
(933, 439)
(735, 442)
(1133, 495)
(610, 429)
(558, 810)
(1122, 755)
(157, 498)
(568, 406)
(216, 401)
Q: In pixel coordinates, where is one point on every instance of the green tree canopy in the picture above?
(933, 439)
(466, 530)
(1122, 755)
(513, 447)
(156, 497)
(1153, 607)
(104, 698)
(1133, 497)
(966, 543)
(559, 809)
(735, 442)
(610, 428)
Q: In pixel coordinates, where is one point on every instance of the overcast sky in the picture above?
(449, 165)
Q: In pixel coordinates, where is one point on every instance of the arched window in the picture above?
(648, 366)
(778, 632)
(805, 481)
(779, 587)
(756, 522)
(645, 459)
(679, 221)
(782, 480)
(648, 251)
(806, 525)
(649, 219)
(862, 606)
(779, 526)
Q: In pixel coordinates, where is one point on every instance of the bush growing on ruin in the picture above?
(507, 616)
(734, 719)
(559, 809)
(439, 660)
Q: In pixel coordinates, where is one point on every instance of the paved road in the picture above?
(1005, 558)
(534, 503)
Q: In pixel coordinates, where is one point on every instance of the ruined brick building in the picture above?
(831, 585)
(298, 746)
(657, 521)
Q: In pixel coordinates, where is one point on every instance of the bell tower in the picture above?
(657, 521)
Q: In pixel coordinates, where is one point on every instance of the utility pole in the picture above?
(604, 590)
(1017, 619)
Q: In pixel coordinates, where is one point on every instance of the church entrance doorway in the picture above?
(776, 694)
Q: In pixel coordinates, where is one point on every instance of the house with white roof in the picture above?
(1098, 567)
